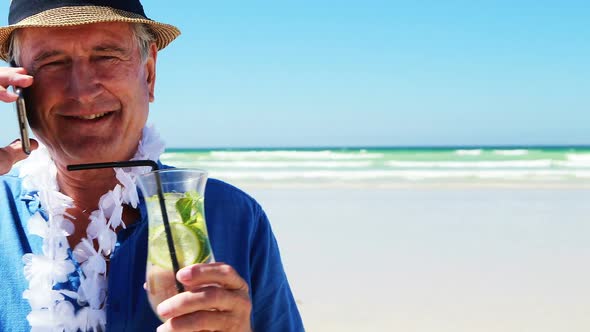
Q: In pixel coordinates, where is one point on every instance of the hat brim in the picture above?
(164, 34)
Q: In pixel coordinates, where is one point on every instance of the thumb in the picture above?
(13, 153)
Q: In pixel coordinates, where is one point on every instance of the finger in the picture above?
(22, 80)
(13, 153)
(18, 70)
(205, 299)
(201, 321)
(17, 149)
(214, 273)
(7, 96)
(13, 77)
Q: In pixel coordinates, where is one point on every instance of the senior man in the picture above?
(89, 71)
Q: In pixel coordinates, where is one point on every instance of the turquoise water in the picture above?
(390, 165)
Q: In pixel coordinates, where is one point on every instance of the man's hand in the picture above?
(11, 154)
(216, 299)
(15, 77)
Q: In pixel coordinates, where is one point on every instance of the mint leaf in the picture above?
(184, 206)
(190, 208)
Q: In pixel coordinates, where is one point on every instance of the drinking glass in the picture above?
(181, 192)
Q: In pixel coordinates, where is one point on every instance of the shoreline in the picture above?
(430, 185)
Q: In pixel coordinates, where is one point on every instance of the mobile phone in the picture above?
(21, 113)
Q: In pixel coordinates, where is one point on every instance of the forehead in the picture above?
(81, 37)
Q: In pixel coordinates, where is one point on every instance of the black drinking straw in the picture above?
(155, 167)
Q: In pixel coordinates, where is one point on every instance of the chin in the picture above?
(96, 152)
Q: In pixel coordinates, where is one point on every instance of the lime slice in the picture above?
(204, 241)
(186, 242)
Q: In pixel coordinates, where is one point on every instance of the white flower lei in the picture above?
(50, 310)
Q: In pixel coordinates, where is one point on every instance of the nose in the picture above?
(84, 84)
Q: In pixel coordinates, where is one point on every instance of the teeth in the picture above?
(92, 116)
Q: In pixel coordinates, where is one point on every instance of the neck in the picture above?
(85, 187)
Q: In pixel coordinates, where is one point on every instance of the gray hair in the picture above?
(142, 32)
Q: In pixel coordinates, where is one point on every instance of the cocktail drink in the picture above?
(182, 191)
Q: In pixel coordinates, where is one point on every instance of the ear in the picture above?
(150, 65)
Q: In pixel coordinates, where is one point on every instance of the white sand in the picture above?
(435, 260)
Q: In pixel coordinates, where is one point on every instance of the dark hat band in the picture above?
(21, 9)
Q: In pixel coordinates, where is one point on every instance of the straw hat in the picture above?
(64, 13)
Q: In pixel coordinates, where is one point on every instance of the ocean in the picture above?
(424, 239)
(391, 166)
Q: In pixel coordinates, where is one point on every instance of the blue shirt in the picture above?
(239, 232)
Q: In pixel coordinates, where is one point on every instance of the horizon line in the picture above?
(393, 147)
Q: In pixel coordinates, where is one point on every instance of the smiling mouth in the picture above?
(92, 116)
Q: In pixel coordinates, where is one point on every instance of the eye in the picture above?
(54, 64)
(107, 58)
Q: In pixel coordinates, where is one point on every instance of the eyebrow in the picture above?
(44, 55)
(101, 48)
(110, 49)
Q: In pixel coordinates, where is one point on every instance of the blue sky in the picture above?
(370, 73)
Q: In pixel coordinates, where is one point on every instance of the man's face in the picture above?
(91, 91)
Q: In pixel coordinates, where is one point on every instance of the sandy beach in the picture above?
(420, 259)
(425, 239)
